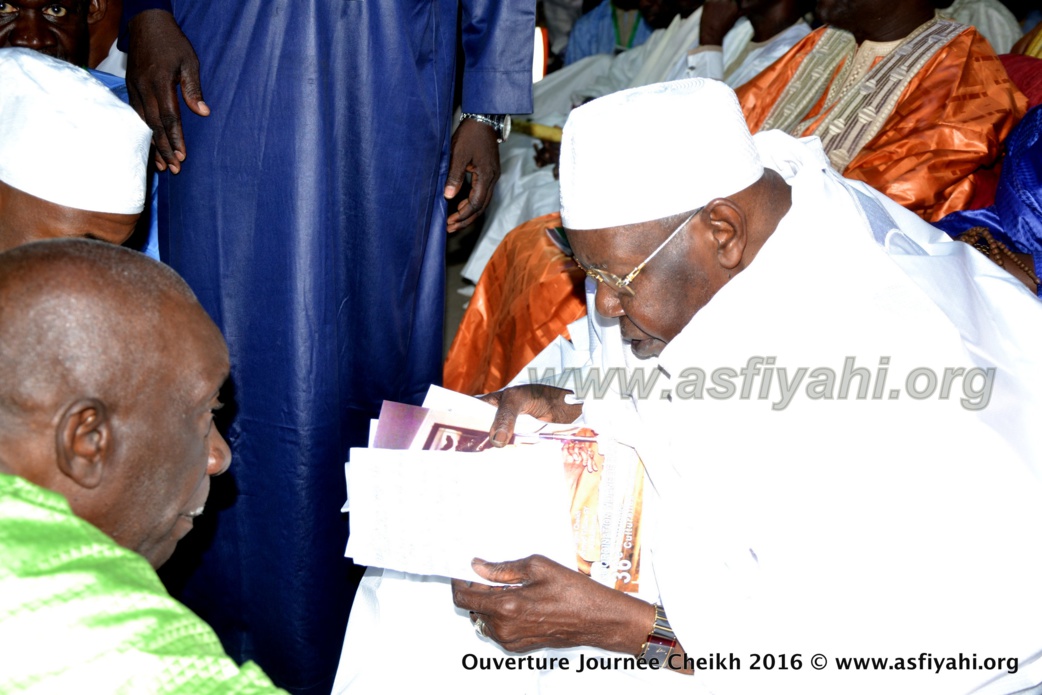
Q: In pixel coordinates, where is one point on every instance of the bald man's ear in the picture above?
(727, 224)
(84, 440)
(97, 10)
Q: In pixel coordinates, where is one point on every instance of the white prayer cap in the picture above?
(65, 138)
(651, 152)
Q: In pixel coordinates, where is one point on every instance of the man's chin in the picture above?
(646, 348)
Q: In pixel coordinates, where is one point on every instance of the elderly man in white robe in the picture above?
(816, 491)
(792, 522)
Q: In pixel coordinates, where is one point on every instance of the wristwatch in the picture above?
(499, 122)
(661, 641)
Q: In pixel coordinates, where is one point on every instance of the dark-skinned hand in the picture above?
(160, 58)
(549, 154)
(552, 606)
(718, 16)
(542, 402)
(475, 149)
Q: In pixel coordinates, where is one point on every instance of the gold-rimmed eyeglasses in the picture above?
(622, 285)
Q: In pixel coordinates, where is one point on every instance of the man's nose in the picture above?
(606, 301)
(30, 31)
(220, 454)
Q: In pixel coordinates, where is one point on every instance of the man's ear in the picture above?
(727, 224)
(84, 442)
(96, 11)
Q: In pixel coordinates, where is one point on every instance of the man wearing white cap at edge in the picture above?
(816, 494)
(72, 155)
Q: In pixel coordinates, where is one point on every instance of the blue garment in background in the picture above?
(309, 219)
(1016, 217)
(146, 236)
(594, 33)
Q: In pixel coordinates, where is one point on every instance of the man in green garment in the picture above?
(109, 376)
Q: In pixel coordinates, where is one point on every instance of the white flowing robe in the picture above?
(883, 527)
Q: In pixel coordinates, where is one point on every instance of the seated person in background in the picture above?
(614, 26)
(913, 105)
(990, 17)
(561, 16)
(109, 376)
(737, 40)
(57, 122)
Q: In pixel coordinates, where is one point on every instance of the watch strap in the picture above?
(499, 122)
(661, 640)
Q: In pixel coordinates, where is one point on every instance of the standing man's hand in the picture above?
(475, 148)
(160, 58)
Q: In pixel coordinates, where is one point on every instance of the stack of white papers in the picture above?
(430, 494)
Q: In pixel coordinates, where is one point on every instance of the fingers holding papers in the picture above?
(546, 403)
(548, 605)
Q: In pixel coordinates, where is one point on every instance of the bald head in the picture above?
(84, 316)
(109, 369)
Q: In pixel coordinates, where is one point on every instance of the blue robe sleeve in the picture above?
(498, 44)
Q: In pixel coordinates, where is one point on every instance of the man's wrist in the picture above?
(131, 10)
(498, 122)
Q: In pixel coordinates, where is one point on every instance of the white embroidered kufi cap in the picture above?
(65, 138)
(651, 152)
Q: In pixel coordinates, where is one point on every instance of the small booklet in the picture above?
(431, 493)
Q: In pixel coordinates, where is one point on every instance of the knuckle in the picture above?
(510, 607)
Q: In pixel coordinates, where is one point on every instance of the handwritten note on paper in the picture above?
(432, 512)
